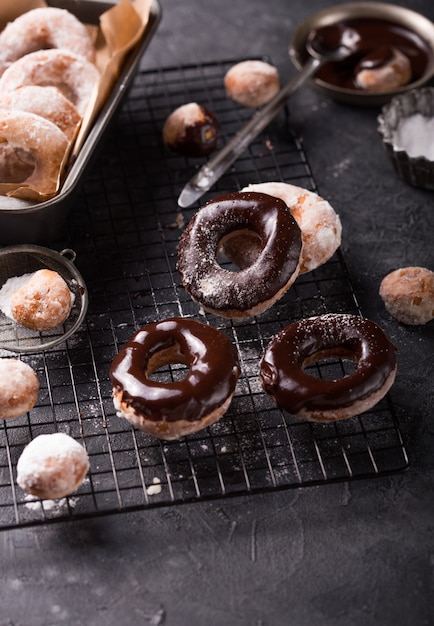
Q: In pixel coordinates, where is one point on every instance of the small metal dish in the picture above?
(416, 170)
(28, 222)
(26, 259)
(421, 27)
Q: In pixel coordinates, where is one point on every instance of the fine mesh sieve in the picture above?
(24, 259)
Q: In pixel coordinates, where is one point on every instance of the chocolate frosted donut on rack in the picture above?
(38, 145)
(384, 69)
(48, 102)
(320, 225)
(169, 409)
(308, 341)
(19, 388)
(72, 74)
(42, 28)
(255, 288)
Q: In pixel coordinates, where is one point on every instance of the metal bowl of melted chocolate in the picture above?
(378, 33)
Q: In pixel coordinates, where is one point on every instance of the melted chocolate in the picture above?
(308, 340)
(235, 294)
(212, 375)
(369, 37)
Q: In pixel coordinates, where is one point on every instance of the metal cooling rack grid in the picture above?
(125, 233)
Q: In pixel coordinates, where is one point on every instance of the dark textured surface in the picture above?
(359, 553)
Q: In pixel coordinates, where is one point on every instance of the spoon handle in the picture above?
(203, 180)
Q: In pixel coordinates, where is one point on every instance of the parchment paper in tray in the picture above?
(119, 30)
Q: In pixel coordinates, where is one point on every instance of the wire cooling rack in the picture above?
(125, 231)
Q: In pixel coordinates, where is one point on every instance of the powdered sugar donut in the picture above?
(40, 146)
(72, 74)
(52, 466)
(42, 28)
(43, 302)
(408, 294)
(252, 83)
(19, 388)
(48, 102)
(320, 225)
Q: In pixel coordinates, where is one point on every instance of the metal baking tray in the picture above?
(28, 222)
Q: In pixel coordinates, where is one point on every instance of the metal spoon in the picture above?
(203, 180)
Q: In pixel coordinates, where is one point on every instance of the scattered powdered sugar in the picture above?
(48, 505)
(10, 287)
(155, 488)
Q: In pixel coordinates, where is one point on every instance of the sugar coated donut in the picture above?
(283, 375)
(72, 74)
(408, 294)
(170, 409)
(385, 69)
(255, 288)
(39, 145)
(192, 130)
(48, 102)
(41, 28)
(42, 302)
(252, 83)
(320, 226)
(19, 388)
(52, 466)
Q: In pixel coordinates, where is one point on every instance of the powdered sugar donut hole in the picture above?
(252, 83)
(19, 388)
(52, 466)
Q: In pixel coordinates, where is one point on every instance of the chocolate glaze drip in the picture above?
(369, 36)
(219, 289)
(309, 340)
(212, 375)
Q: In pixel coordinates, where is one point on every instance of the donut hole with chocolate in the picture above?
(191, 130)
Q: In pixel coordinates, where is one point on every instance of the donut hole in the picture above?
(16, 164)
(168, 364)
(239, 249)
(330, 364)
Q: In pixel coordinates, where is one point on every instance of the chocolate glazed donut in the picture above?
(169, 410)
(255, 288)
(333, 335)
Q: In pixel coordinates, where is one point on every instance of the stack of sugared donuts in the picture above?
(47, 76)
